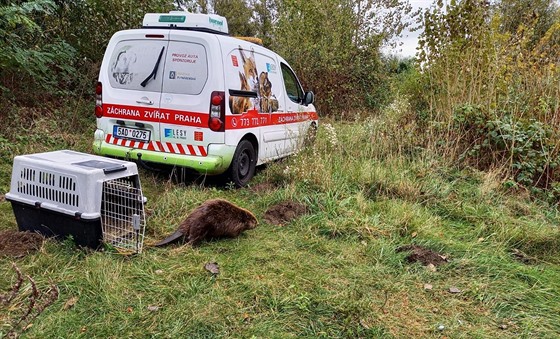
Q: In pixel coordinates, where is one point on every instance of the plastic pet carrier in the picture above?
(91, 198)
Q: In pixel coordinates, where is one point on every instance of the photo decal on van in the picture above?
(253, 82)
(121, 68)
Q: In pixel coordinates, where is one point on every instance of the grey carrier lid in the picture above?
(65, 181)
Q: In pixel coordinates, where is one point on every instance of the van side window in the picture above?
(293, 89)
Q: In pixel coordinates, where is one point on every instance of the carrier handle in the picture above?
(114, 169)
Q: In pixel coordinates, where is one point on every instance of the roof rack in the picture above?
(257, 41)
(211, 23)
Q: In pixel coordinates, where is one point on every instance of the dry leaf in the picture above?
(454, 290)
(431, 267)
(414, 234)
(212, 267)
(428, 287)
(153, 308)
(70, 303)
(364, 324)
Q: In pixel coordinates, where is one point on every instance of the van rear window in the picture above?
(133, 61)
(186, 68)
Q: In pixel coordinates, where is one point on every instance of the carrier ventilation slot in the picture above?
(44, 186)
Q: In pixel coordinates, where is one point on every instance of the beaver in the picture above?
(215, 218)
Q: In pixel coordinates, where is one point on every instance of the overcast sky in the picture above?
(410, 39)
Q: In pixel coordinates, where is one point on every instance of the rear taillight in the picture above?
(217, 118)
(98, 100)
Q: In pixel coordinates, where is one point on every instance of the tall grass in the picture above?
(370, 187)
(491, 94)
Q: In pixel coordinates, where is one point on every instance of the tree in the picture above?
(238, 15)
(28, 57)
(335, 46)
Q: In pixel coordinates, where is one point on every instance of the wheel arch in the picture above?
(253, 140)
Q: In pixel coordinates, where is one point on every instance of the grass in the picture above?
(331, 273)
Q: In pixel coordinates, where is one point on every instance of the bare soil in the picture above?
(18, 244)
(284, 212)
(422, 255)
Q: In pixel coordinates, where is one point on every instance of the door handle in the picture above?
(145, 100)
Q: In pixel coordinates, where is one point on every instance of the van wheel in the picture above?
(242, 167)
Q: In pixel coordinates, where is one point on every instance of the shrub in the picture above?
(525, 146)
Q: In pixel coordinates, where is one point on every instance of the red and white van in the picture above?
(181, 91)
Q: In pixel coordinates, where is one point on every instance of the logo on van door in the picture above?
(172, 75)
(175, 133)
(270, 68)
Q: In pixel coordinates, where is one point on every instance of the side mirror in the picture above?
(308, 98)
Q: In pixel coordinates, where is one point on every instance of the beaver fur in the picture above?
(215, 218)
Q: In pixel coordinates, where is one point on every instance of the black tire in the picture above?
(242, 168)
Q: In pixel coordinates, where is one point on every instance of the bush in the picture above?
(525, 146)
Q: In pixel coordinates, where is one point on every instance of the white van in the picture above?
(181, 91)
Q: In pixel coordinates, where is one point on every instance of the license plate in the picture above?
(131, 133)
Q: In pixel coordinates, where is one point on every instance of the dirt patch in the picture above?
(2, 198)
(422, 255)
(284, 212)
(18, 244)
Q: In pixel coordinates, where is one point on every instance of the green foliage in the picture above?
(27, 53)
(526, 146)
(238, 16)
(88, 25)
(334, 46)
(489, 79)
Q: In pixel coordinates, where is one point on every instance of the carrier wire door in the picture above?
(122, 215)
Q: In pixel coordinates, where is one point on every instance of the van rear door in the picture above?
(188, 84)
(131, 102)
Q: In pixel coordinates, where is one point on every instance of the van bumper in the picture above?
(216, 162)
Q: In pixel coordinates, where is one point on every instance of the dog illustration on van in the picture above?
(180, 91)
(267, 101)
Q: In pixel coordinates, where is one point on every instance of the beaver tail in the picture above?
(171, 238)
